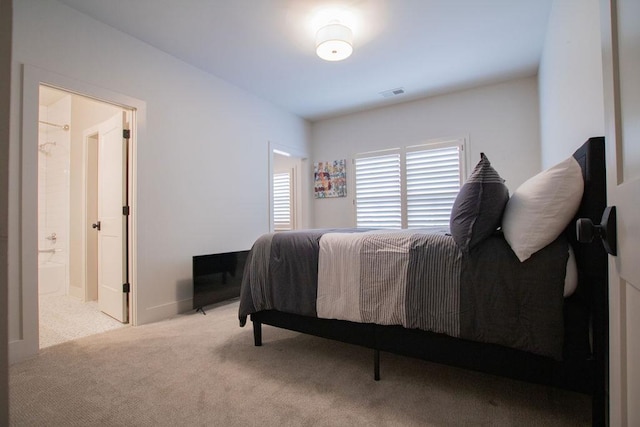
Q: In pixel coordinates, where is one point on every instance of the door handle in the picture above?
(586, 230)
(96, 225)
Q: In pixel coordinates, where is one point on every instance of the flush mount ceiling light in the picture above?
(333, 42)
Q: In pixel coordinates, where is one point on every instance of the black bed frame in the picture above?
(585, 355)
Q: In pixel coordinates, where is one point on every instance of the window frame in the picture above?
(460, 142)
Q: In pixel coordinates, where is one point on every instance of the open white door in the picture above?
(112, 241)
(621, 65)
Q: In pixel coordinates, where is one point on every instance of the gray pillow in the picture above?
(477, 210)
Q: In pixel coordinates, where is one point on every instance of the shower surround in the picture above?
(53, 197)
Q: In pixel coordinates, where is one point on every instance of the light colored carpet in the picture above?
(204, 371)
(64, 318)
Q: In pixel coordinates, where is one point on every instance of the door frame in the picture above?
(89, 136)
(27, 342)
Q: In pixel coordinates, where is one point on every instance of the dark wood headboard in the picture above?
(591, 258)
(591, 298)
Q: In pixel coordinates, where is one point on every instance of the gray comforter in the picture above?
(414, 278)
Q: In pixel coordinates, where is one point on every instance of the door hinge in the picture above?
(126, 287)
(126, 133)
(126, 210)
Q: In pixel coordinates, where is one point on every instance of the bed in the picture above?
(432, 298)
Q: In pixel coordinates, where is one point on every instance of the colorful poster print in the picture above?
(330, 179)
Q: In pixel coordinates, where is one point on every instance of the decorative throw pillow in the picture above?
(478, 208)
(541, 208)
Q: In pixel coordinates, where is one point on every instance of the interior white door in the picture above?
(112, 299)
(621, 62)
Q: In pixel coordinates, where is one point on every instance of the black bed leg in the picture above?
(376, 364)
(257, 333)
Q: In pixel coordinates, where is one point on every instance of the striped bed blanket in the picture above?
(418, 279)
(395, 278)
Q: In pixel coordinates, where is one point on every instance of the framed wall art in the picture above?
(330, 179)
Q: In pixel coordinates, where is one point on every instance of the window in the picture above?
(282, 201)
(378, 191)
(412, 187)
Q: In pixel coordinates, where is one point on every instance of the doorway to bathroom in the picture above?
(83, 215)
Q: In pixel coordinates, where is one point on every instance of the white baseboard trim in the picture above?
(164, 311)
(76, 292)
(20, 350)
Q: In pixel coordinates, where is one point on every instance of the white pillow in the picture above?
(541, 208)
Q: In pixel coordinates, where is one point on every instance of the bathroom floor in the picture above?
(64, 318)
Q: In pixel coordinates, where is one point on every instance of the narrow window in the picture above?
(282, 201)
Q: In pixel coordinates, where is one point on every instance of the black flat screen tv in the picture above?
(217, 277)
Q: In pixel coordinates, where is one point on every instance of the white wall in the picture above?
(201, 162)
(500, 120)
(570, 79)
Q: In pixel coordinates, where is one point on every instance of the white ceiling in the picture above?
(267, 47)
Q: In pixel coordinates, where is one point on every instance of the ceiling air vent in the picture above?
(392, 92)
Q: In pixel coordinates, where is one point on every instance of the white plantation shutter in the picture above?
(282, 201)
(378, 191)
(410, 188)
(432, 182)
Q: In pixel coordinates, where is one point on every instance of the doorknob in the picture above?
(586, 230)
(96, 225)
